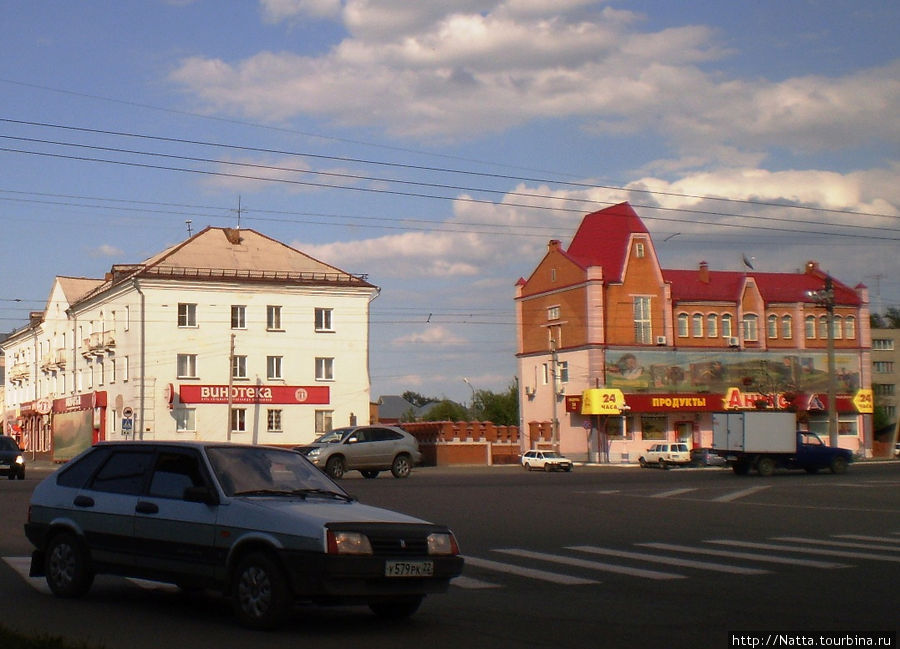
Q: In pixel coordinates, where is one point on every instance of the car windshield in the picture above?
(8, 444)
(550, 454)
(259, 470)
(332, 437)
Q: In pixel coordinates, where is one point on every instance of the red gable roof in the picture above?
(602, 239)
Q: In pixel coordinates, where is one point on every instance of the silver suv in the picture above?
(666, 454)
(367, 449)
(260, 524)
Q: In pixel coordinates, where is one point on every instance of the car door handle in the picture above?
(143, 507)
(83, 501)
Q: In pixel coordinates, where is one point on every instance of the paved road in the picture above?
(602, 557)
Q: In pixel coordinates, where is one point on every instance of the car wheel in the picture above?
(766, 466)
(260, 594)
(643, 463)
(401, 466)
(335, 467)
(839, 465)
(527, 466)
(395, 608)
(369, 474)
(663, 465)
(22, 474)
(67, 566)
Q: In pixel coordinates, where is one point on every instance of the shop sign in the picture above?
(864, 401)
(281, 394)
(602, 401)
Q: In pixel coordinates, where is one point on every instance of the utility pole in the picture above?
(230, 385)
(825, 298)
(554, 424)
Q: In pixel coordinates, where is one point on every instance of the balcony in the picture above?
(18, 372)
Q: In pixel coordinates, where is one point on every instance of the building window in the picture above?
(787, 327)
(273, 367)
(823, 327)
(238, 420)
(882, 344)
(682, 321)
(750, 325)
(112, 370)
(883, 367)
(324, 421)
(562, 370)
(273, 318)
(653, 427)
(125, 368)
(239, 367)
(837, 327)
(185, 419)
(552, 274)
(324, 369)
(643, 333)
(273, 421)
(772, 326)
(187, 366)
(697, 325)
(553, 313)
(712, 325)
(187, 315)
(727, 328)
(809, 326)
(639, 250)
(545, 374)
(127, 317)
(850, 329)
(101, 372)
(238, 316)
(884, 389)
(323, 320)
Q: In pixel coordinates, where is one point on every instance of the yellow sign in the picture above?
(602, 401)
(864, 401)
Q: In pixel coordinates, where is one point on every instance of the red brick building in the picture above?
(680, 344)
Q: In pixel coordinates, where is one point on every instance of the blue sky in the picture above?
(437, 146)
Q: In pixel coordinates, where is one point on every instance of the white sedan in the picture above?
(546, 460)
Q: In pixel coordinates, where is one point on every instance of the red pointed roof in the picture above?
(602, 239)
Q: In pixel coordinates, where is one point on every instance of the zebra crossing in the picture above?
(677, 561)
(670, 561)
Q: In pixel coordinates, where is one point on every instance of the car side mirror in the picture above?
(352, 440)
(201, 494)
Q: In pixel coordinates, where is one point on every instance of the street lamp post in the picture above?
(471, 387)
(825, 299)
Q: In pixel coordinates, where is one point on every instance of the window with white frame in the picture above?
(324, 368)
(273, 421)
(837, 328)
(809, 326)
(187, 366)
(639, 250)
(238, 316)
(238, 420)
(187, 315)
(787, 327)
(772, 326)
(273, 318)
(697, 325)
(712, 325)
(682, 324)
(324, 421)
(823, 327)
(185, 419)
(750, 325)
(125, 368)
(273, 367)
(727, 325)
(323, 319)
(850, 328)
(643, 333)
(562, 370)
(883, 344)
(553, 313)
(239, 367)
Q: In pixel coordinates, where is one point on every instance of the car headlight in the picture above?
(314, 453)
(348, 543)
(442, 543)
(20, 460)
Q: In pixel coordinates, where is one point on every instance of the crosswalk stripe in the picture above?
(673, 492)
(764, 558)
(734, 495)
(590, 565)
(521, 571)
(863, 537)
(472, 583)
(811, 550)
(669, 560)
(839, 544)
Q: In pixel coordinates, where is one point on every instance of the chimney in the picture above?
(233, 236)
(553, 245)
(704, 272)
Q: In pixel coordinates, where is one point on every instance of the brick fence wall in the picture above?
(465, 442)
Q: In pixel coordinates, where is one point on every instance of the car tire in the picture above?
(663, 465)
(401, 467)
(642, 462)
(527, 466)
(259, 590)
(67, 566)
(335, 467)
(765, 467)
(838, 465)
(369, 474)
(396, 608)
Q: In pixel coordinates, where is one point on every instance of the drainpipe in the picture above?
(140, 421)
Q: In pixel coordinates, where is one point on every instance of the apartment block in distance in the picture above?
(229, 335)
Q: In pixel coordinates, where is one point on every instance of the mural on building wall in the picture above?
(766, 372)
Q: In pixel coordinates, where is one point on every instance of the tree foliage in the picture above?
(446, 410)
(890, 319)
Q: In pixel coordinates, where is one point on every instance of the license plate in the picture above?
(409, 569)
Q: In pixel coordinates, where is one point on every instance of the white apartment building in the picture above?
(229, 335)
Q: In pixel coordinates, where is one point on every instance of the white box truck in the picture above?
(765, 441)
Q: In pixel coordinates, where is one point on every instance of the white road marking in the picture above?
(765, 558)
(527, 572)
(810, 550)
(727, 498)
(673, 492)
(838, 544)
(669, 560)
(590, 565)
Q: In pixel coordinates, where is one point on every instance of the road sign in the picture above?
(128, 412)
(127, 423)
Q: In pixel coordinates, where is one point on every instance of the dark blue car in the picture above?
(12, 460)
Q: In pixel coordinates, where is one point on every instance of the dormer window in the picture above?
(639, 250)
(553, 313)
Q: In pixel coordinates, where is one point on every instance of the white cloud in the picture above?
(275, 11)
(430, 335)
(106, 250)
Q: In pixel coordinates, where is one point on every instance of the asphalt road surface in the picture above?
(600, 557)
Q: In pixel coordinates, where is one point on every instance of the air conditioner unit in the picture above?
(529, 392)
(660, 340)
(734, 342)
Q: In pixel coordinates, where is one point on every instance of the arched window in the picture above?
(838, 327)
(850, 327)
(712, 325)
(682, 325)
(823, 327)
(697, 325)
(787, 327)
(810, 326)
(750, 325)
(772, 326)
(727, 329)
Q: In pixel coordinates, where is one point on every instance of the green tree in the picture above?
(417, 399)
(501, 408)
(446, 410)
